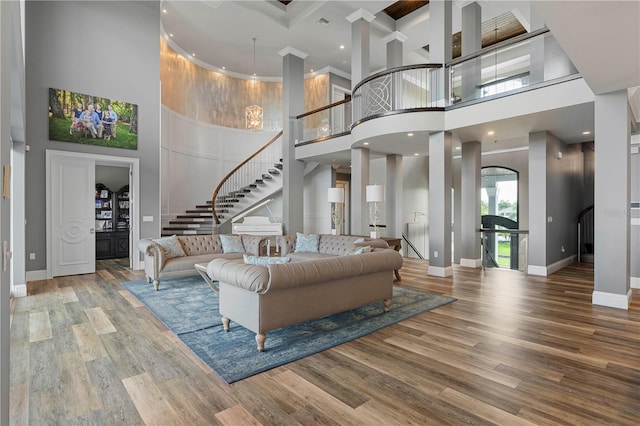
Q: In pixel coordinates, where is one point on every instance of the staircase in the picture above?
(251, 182)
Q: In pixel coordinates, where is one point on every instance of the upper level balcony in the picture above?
(526, 83)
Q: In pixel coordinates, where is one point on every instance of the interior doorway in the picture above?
(70, 214)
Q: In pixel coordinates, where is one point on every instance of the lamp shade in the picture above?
(375, 193)
(336, 195)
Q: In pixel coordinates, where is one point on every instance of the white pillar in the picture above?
(470, 188)
(359, 182)
(440, 177)
(471, 43)
(611, 201)
(440, 46)
(394, 42)
(293, 170)
(394, 199)
(360, 20)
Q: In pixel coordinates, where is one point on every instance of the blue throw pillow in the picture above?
(265, 260)
(171, 246)
(232, 244)
(307, 243)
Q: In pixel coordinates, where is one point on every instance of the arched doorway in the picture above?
(499, 209)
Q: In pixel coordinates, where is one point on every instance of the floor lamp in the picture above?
(375, 195)
(336, 198)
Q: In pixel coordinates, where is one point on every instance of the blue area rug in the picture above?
(189, 307)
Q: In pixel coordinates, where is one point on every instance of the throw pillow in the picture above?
(265, 260)
(307, 243)
(360, 250)
(171, 246)
(232, 244)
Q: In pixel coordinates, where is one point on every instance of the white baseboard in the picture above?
(544, 271)
(537, 270)
(635, 282)
(612, 300)
(470, 263)
(20, 290)
(36, 275)
(438, 271)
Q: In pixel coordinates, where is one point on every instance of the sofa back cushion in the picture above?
(337, 245)
(194, 245)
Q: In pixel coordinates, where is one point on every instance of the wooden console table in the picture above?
(396, 244)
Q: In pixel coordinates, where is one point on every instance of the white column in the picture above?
(470, 188)
(440, 45)
(471, 43)
(537, 254)
(394, 42)
(293, 170)
(394, 199)
(360, 20)
(359, 182)
(440, 177)
(611, 201)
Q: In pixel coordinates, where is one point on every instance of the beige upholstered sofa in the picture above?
(312, 285)
(197, 249)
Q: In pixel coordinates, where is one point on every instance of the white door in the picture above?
(73, 239)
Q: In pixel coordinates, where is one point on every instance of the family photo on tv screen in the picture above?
(92, 120)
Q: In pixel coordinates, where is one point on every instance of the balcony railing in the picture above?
(397, 90)
(329, 121)
(522, 63)
(510, 66)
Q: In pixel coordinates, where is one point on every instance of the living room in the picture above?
(135, 28)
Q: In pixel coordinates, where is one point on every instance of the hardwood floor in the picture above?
(513, 349)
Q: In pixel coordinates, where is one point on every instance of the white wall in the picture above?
(317, 210)
(195, 156)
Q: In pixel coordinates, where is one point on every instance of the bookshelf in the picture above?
(112, 222)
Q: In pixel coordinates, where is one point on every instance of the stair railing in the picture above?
(245, 174)
(585, 232)
(413, 247)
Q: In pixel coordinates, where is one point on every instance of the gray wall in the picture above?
(564, 198)
(55, 57)
(112, 177)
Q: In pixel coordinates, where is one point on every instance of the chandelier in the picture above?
(253, 113)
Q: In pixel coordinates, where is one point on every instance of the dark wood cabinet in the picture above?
(112, 223)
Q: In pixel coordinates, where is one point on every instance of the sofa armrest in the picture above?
(154, 257)
(239, 274)
(286, 244)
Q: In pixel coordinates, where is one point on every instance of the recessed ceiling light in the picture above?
(312, 70)
(457, 147)
(171, 35)
(416, 153)
(193, 54)
(342, 46)
(164, 10)
(586, 132)
(409, 134)
(366, 143)
(491, 133)
(224, 68)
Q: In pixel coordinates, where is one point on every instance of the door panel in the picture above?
(73, 210)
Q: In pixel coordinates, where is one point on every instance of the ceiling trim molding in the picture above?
(292, 51)
(361, 14)
(396, 35)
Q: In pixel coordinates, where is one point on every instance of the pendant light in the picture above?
(253, 113)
